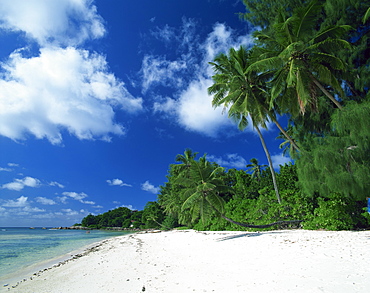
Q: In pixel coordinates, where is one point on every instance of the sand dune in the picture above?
(191, 261)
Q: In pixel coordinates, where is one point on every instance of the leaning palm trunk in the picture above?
(253, 226)
(286, 134)
(320, 86)
(270, 163)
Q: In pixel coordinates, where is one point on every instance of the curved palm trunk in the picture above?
(286, 134)
(270, 163)
(283, 131)
(253, 226)
(319, 85)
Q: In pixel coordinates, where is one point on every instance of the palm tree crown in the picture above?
(301, 60)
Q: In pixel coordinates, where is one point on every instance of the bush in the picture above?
(333, 213)
(169, 223)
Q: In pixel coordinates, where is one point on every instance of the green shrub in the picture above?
(333, 213)
(169, 223)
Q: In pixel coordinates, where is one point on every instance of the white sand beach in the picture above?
(191, 261)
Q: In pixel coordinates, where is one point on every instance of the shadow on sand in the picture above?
(249, 234)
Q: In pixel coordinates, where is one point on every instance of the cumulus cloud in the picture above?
(61, 89)
(195, 111)
(191, 106)
(45, 201)
(147, 186)
(76, 196)
(229, 160)
(19, 184)
(118, 182)
(279, 159)
(20, 202)
(18, 207)
(68, 22)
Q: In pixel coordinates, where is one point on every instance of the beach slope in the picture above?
(191, 261)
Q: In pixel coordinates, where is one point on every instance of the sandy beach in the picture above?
(191, 261)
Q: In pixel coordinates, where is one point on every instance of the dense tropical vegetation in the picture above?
(310, 64)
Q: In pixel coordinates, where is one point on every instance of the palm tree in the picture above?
(288, 148)
(202, 189)
(202, 192)
(185, 160)
(301, 60)
(243, 95)
(255, 168)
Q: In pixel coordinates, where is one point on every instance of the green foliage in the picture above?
(120, 217)
(152, 215)
(333, 213)
(169, 223)
(340, 161)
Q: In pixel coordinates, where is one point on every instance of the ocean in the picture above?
(24, 248)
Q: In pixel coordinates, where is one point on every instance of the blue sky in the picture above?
(98, 97)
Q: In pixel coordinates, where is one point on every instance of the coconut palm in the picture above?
(185, 160)
(243, 95)
(255, 168)
(303, 61)
(202, 191)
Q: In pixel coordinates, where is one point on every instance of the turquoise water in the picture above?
(23, 247)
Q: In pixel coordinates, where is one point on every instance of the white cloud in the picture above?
(166, 33)
(62, 199)
(45, 201)
(191, 106)
(70, 212)
(147, 186)
(278, 160)
(118, 182)
(195, 111)
(20, 202)
(57, 184)
(128, 206)
(229, 160)
(19, 184)
(13, 165)
(87, 202)
(157, 70)
(76, 196)
(61, 89)
(29, 209)
(5, 169)
(68, 22)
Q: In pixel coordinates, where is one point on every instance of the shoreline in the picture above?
(29, 272)
(35, 268)
(220, 261)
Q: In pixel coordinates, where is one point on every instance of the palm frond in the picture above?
(279, 83)
(303, 92)
(191, 201)
(306, 17)
(366, 16)
(267, 64)
(291, 80)
(333, 32)
(327, 60)
(330, 45)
